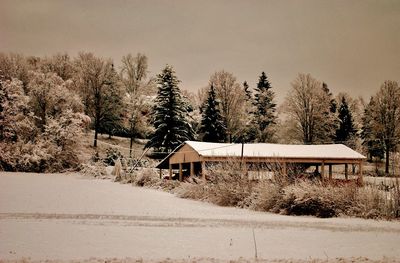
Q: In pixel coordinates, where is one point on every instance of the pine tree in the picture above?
(265, 109)
(250, 129)
(212, 124)
(346, 129)
(170, 114)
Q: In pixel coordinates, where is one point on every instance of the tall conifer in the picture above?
(170, 114)
(346, 125)
(265, 109)
(212, 125)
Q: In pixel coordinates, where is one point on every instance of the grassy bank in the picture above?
(227, 186)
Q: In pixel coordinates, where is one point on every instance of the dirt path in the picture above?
(70, 217)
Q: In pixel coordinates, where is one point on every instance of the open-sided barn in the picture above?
(193, 156)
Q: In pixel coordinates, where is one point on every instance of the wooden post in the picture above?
(284, 169)
(346, 173)
(191, 169)
(317, 168)
(180, 172)
(170, 171)
(323, 170)
(203, 170)
(360, 172)
(246, 173)
(160, 174)
(330, 172)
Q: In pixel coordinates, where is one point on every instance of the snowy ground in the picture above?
(70, 217)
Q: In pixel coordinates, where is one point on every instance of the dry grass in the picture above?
(104, 143)
(149, 177)
(229, 186)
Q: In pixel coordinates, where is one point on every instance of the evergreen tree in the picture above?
(250, 129)
(265, 108)
(170, 114)
(346, 129)
(212, 124)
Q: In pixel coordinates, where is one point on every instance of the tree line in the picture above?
(46, 102)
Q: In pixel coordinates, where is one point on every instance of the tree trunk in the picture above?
(96, 129)
(130, 148)
(95, 137)
(387, 161)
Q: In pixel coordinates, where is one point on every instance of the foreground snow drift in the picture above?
(71, 217)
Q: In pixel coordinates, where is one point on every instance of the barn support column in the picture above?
(284, 170)
(360, 172)
(191, 169)
(346, 172)
(203, 170)
(180, 172)
(170, 171)
(330, 172)
(322, 169)
(246, 172)
(160, 173)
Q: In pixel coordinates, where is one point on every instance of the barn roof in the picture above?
(269, 150)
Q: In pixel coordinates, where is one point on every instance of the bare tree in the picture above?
(50, 98)
(133, 76)
(385, 121)
(96, 81)
(232, 100)
(60, 64)
(14, 65)
(308, 107)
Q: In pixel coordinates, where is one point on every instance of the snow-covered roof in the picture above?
(329, 151)
(269, 150)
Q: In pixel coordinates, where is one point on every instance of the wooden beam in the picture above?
(280, 160)
(284, 169)
(323, 170)
(346, 172)
(203, 170)
(191, 169)
(180, 172)
(330, 171)
(360, 172)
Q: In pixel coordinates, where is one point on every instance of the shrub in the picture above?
(112, 155)
(146, 177)
(94, 169)
(266, 195)
(228, 186)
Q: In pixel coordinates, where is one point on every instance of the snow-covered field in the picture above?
(70, 217)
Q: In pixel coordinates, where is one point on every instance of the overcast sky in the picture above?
(353, 46)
